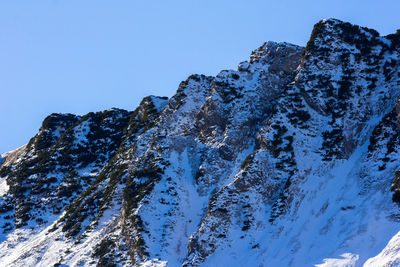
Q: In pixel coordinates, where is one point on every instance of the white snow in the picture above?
(3, 186)
(389, 256)
(347, 260)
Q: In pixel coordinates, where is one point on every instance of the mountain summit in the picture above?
(291, 160)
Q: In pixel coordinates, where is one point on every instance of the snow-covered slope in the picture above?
(291, 160)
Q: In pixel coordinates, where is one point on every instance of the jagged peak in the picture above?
(332, 21)
(159, 102)
(339, 25)
(194, 84)
(394, 39)
(270, 50)
(196, 78)
(335, 29)
(57, 119)
(114, 109)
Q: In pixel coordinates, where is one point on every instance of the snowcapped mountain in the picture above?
(291, 160)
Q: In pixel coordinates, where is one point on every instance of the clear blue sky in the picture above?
(79, 56)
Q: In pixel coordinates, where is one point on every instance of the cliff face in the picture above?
(291, 160)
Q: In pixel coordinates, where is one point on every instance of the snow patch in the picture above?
(347, 260)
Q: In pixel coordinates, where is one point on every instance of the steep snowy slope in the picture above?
(310, 182)
(292, 160)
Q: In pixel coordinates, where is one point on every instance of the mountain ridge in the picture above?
(288, 161)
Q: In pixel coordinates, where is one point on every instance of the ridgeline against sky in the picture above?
(82, 56)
